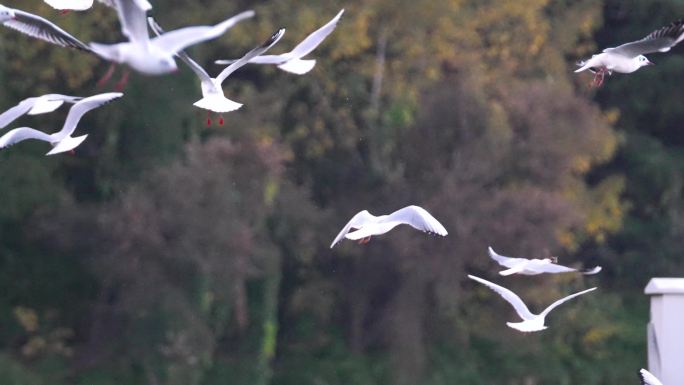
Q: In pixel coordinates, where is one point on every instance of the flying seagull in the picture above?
(38, 27)
(647, 378)
(292, 61)
(534, 266)
(62, 140)
(34, 106)
(155, 56)
(629, 57)
(531, 322)
(213, 98)
(367, 225)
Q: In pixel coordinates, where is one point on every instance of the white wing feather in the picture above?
(251, 54)
(562, 300)
(179, 39)
(360, 219)
(79, 109)
(315, 38)
(418, 218)
(647, 378)
(23, 133)
(509, 296)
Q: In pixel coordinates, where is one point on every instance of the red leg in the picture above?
(220, 120)
(107, 76)
(121, 84)
(208, 118)
(65, 12)
(364, 240)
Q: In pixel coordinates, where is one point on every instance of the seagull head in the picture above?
(6, 13)
(643, 61)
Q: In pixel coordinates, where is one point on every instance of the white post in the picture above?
(666, 329)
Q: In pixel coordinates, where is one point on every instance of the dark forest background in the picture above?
(166, 252)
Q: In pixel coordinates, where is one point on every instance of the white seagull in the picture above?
(534, 266)
(292, 61)
(629, 57)
(367, 224)
(34, 106)
(62, 140)
(38, 27)
(647, 378)
(531, 322)
(155, 56)
(213, 98)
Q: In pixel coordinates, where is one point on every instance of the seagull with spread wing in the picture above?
(35, 106)
(38, 27)
(213, 98)
(531, 322)
(292, 61)
(366, 224)
(62, 140)
(629, 57)
(647, 378)
(535, 266)
(155, 56)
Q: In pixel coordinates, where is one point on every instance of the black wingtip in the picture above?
(274, 38)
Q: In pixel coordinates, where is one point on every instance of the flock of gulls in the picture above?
(147, 54)
(155, 55)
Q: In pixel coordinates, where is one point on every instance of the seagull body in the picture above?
(531, 322)
(292, 61)
(62, 140)
(629, 57)
(155, 56)
(367, 225)
(534, 266)
(34, 106)
(38, 27)
(647, 378)
(213, 98)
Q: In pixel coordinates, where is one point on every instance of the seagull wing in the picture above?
(79, 109)
(660, 40)
(314, 39)
(50, 102)
(22, 133)
(359, 220)
(132, 19)
(418, 218)
(249, 55)
(372, 229)
(553, 268)
(509, 296)
(647, 378)
(15, 112)
(264, 59)
(560, 301)
(179, 39)
(36, 26)
(592, 271)
(502, 260)
(516, 268)
(196, 68)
